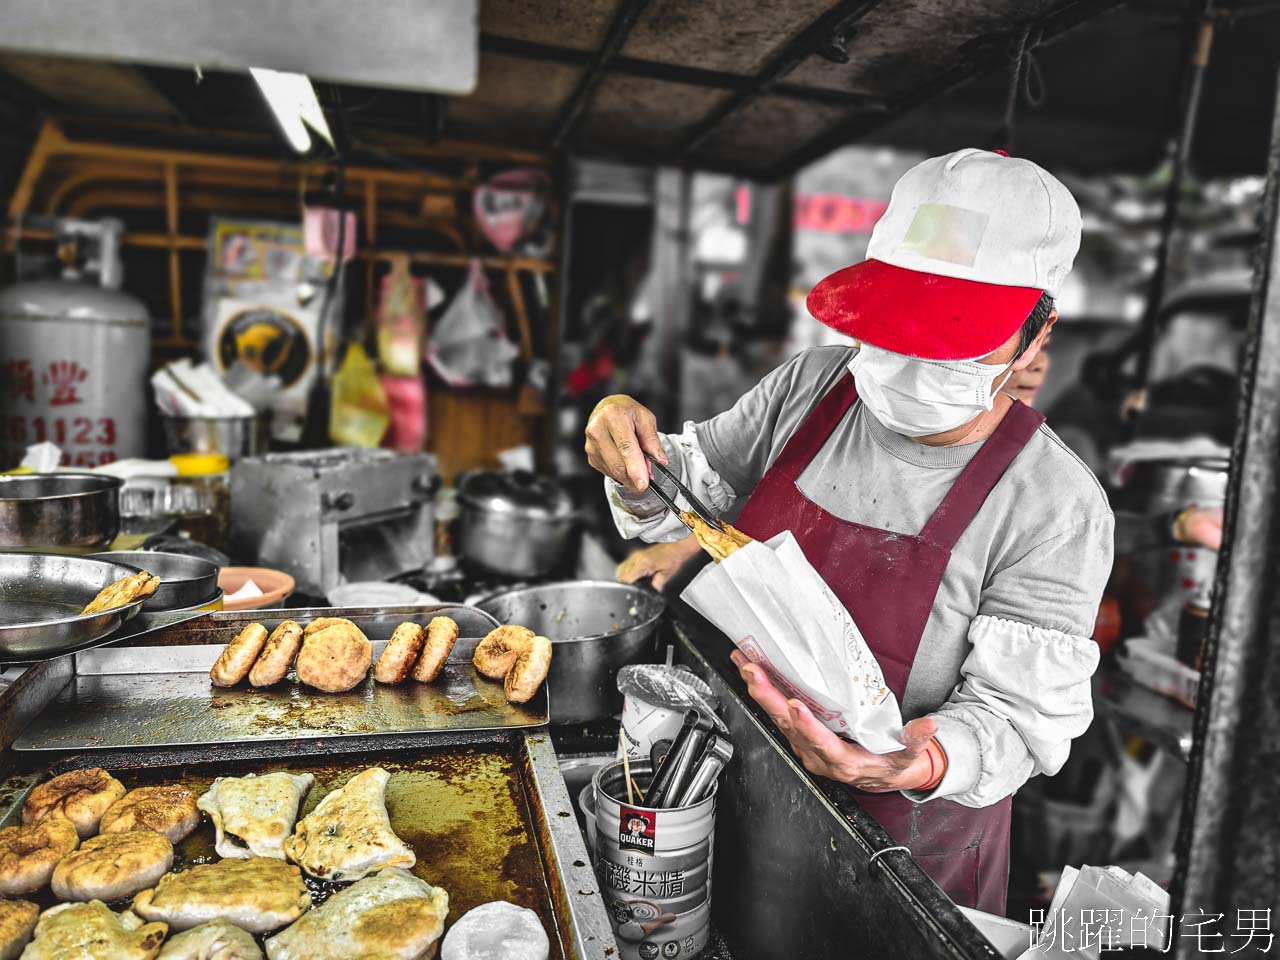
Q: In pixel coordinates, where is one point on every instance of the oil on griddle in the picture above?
(462, 810)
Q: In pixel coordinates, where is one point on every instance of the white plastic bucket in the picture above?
(654, 867)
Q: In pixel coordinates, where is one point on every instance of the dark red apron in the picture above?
(888, 582)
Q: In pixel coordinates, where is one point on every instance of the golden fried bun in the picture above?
(497, 652)
(400, 653)
(442, 634)
(334, 659)
(17, 923)
(324, 623)
(528, 672)
(92, 931)
(259, 895)
(123, 592)
(113, 865)
(237, 658)
(169, 809)
(82, 796)
(277, 656)
(29, 853)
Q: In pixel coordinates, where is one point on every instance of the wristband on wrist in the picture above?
(937, 765)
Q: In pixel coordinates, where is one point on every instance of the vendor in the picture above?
(969, 544)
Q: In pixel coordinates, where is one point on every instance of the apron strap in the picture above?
(980, 475)
(816, 427)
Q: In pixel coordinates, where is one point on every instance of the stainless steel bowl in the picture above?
(234, 436)
(185, 581)
(596, 627)
(59, 512)
(41, 596)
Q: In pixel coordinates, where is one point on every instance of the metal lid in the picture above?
(515, 491)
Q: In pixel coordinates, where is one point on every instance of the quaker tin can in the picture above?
(654, 867)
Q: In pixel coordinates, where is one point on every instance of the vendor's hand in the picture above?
(825, 754)
(659, 561)
(620, 431)
(1199, 527)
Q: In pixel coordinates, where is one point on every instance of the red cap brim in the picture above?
(920, 314)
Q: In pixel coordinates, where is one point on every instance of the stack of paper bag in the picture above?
(771, 603)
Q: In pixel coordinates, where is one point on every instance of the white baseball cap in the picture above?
(967, 246)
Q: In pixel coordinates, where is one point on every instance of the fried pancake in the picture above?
(277, 656)
(719, 544)
(82, 796)
(528, 672)
(258, 895)
(253, 816)
(90, 931)
(111, 866)
(17, 923)
(123, 592)
(29, 853)
(442, 634)
(496, 653)
(334, 659)
(400, 653)
(238, 657)
(324, 623)
(169, 809)
(496, 931)
(215, 940)
(392, 915)
(349, 835)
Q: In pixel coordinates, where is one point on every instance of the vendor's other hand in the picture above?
(827, 755)
(620, 431)
(1199, 527)
(658, 562)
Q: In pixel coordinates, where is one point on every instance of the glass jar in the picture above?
(201, 497)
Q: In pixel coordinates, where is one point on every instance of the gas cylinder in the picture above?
(73, 359)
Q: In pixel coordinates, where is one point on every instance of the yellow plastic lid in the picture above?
(200, 464)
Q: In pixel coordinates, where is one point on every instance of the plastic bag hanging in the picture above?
(358, 415)
(469, 346)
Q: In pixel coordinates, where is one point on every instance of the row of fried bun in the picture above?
(96, 843)
(332, 654)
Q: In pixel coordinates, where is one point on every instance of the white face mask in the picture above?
(918, 398)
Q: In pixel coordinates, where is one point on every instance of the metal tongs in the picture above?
(695, 505)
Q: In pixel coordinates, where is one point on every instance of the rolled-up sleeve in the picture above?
(1025, 693)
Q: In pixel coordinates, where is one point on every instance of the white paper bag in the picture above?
(771, 603)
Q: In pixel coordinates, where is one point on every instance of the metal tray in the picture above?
(160, 695)
(41, 595)
(488, 819)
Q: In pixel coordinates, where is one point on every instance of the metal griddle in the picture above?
(487, 816)
(159, 695)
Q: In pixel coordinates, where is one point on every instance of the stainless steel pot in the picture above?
(235, 437)
(514, 523)
(596, 627)
(59, 512)
(185, 581)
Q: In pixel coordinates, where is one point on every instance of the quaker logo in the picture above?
(637, 829)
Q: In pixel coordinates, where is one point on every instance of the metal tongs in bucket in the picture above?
(696, 506)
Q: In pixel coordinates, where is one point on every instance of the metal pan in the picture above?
(41, 595)
(73, 512)
(185, 581)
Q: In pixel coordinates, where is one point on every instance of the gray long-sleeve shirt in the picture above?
(1005, 660)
